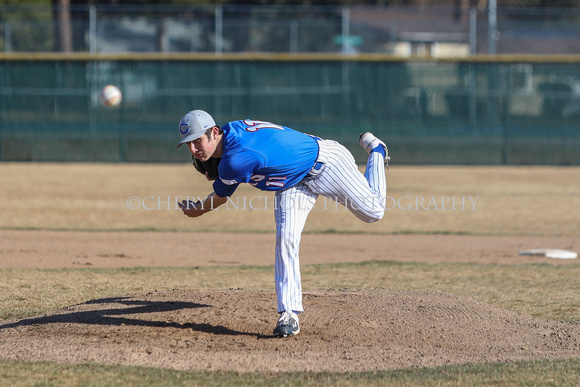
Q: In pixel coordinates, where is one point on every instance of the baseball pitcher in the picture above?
(298, 167)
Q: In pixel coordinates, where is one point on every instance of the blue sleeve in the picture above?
(239, 166)
(236, 169)
(222, 189)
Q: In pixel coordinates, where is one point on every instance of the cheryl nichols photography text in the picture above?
(262, 203)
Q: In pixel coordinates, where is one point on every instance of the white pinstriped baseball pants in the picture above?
(339, 180)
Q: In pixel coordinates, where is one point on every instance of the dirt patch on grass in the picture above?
(60, 249)
(341, 331)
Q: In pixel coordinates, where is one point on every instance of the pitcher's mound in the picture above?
(342, 330)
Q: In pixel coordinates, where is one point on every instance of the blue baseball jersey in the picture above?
(269, 157)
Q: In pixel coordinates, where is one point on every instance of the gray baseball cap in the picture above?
(193, 125)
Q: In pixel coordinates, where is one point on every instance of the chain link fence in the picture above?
(402, 31)
(484, 111)
(413, 75)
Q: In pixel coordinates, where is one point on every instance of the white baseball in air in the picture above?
(111, 96)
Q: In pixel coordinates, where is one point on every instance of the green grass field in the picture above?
(531, 373)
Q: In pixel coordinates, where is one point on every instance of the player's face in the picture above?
(203, 148)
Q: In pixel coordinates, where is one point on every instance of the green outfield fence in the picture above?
(488, 110)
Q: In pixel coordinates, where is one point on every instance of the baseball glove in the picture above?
(210, 166)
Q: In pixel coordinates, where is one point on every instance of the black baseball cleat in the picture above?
(288, 325)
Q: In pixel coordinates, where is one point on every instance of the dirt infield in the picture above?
(59, 249)
(230, 329)
(342, 331)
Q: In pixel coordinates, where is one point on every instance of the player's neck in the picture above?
(219, 147)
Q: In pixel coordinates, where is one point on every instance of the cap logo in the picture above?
(186, 130)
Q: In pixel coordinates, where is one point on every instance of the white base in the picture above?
(551, 253)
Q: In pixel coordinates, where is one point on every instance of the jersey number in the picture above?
(254, 126)
(272, 181)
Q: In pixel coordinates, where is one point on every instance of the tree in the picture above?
(64, 33)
